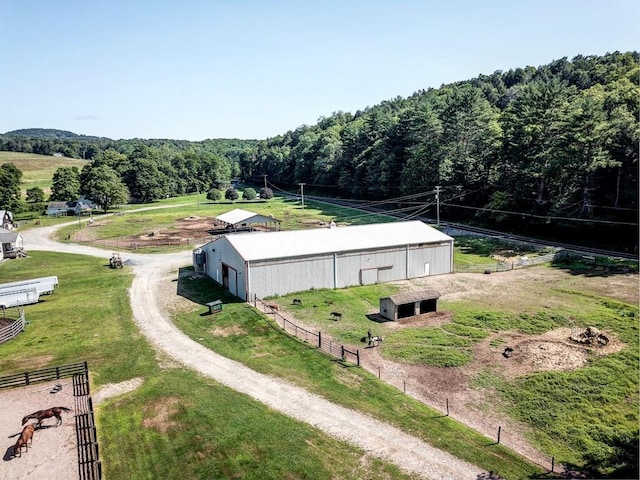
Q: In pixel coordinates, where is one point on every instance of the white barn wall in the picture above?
(439, 258)
(221, 249)
(351, 265)
(284, 276)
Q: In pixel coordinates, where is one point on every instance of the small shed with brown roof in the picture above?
(405, 305)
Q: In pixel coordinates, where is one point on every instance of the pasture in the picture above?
(38, 170)
(579, 404)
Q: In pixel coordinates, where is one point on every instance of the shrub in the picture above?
(266, 192)
(214, 194)
(249, 194)
(231, 194)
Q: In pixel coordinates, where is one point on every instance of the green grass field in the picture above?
(38, 170)
(240, 333)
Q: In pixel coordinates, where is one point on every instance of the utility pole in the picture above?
(438, 206)
(265, 180)
(302, 193)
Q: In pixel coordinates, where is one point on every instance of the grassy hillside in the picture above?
(37, 170)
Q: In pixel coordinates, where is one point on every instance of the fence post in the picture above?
(378, 372)
(499, 430)
(553, 463)
(342, 352)
(26, 378)
(447, 407)
(404, 386)
(319, 339)
(358, 357)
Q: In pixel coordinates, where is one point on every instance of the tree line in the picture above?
(552, 149)
(540, 148)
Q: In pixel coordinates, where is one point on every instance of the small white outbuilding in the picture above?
(277, 263)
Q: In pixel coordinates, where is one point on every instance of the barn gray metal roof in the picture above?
(240, 216)
(295, 243)
(415, 296)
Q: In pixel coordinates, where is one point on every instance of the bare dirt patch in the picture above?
(551, 351)
(228, 331)
(115, 389)
(159, 414)
(52, 455)
(187, 230)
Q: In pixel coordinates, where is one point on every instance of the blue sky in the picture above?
(196, 69)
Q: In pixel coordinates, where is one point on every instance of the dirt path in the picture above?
(376, 438)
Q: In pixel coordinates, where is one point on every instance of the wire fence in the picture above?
(391, 377)
(504, 266)
(314, 338)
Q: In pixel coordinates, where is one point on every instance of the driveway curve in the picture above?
(376, 438)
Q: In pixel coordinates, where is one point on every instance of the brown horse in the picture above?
(40, 415)
(25, 437)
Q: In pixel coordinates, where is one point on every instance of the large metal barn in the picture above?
(278, 263)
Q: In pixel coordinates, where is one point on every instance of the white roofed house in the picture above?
(278, 263)
(11, 243)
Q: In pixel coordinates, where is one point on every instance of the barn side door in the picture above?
(233, 281)
(368, 276)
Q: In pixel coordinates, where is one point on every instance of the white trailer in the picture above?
(17, 296)
(44, 285)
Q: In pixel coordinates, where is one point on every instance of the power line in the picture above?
(541, 217)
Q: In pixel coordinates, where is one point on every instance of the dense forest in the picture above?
(550, 151)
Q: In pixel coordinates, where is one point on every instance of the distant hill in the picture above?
(50, 133)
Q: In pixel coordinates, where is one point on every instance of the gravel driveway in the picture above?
(375, 437)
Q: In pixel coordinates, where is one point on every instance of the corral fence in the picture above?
(42, 375)
(507, 265)
(11, 331)
(89, 466)
(314, 338)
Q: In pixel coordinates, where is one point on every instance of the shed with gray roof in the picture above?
(239, 219)
(277, 263)
(409, 304)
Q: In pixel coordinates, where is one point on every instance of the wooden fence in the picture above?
(89, 465)
(315, 338)
(11, 331)
(43, 375)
